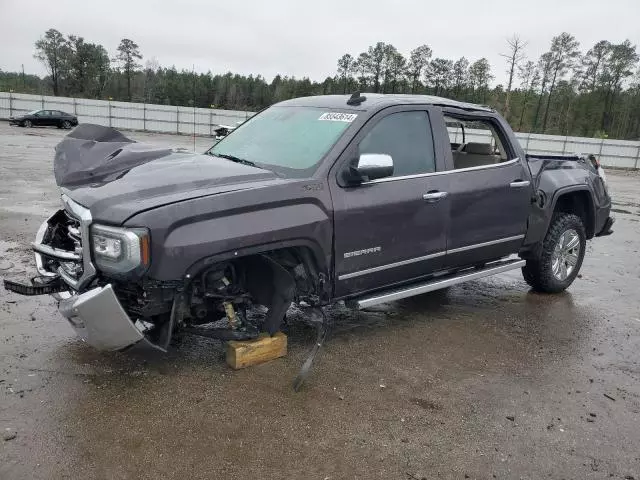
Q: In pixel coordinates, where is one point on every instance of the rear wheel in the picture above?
(562, 253)
(27, 123)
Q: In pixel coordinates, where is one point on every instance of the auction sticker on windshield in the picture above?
(338, 117)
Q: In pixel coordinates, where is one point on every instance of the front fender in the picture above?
(189, 233)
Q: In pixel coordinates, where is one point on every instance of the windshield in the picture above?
(288, 140)
(33, 112)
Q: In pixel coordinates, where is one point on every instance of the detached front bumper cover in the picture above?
(99, 319)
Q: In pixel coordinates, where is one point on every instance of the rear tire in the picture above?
(27, 123)
(561, 257)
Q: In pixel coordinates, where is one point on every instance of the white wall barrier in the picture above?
(125, 115)
(202, 121)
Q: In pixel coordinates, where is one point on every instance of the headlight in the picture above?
(120, 250)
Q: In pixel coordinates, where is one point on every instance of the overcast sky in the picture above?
(305, 38)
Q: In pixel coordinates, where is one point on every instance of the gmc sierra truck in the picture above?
(363, 199)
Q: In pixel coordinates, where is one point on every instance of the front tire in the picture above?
(66, 124)
(561, 257)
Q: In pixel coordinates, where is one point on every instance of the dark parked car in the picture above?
(45, 118)
(313, 200)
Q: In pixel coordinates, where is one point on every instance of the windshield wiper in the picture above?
(233, 158)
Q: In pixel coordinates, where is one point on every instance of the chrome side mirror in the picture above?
(371, 166)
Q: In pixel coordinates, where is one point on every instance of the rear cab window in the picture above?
(476, 142)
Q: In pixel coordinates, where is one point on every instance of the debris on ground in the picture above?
(415, 477)
(609, 397)
(511, 417)
(9, 434)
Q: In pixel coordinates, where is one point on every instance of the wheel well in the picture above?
(299, 262)
(578, 203)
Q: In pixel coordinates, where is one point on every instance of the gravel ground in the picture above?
(485, 380)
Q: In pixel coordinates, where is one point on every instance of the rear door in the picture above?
(391, 229)
(490, 194)
(56, 117)
(45, 118)
(52, 118)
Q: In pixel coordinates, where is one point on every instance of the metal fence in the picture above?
(202, 121)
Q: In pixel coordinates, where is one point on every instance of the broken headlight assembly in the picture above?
(120, 250)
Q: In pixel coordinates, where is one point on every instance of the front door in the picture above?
(391, 229)
(39, 118)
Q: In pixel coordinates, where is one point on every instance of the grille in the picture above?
(59, 248)
(73, 238)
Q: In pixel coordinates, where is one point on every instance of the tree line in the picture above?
(566, 91)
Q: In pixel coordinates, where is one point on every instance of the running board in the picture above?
(437, 284)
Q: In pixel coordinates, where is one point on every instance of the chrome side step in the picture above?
(437, 284)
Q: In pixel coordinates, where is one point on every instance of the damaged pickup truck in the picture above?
(362, 199)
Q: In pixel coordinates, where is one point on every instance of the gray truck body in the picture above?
(354, 239)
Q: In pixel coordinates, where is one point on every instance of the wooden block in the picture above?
(245, 353)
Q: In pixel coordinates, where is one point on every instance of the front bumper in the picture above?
(99, 319)
(95, 314)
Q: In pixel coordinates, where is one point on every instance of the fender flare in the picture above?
(536, 235)
(570, 189)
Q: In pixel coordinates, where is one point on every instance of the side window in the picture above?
(475, 143)
(407, 137)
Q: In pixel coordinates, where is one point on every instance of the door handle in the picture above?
(520, 184)
(433, 197)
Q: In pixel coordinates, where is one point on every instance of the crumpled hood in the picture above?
(141, 177)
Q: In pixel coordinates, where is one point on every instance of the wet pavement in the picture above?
(484, 380)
